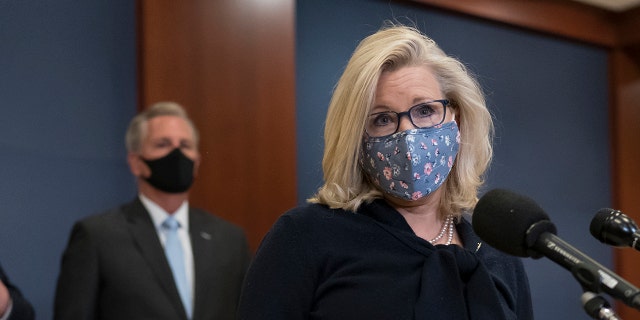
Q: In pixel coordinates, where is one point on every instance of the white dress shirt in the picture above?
(7, 312)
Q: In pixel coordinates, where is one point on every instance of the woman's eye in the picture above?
(424, 110)
(383, 119)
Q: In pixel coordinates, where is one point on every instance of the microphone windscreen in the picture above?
(510, 222)
(599, 222)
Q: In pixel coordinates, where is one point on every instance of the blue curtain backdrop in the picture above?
(548, 96)
(67, 84)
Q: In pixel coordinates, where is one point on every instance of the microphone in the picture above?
(517, 225)
(597, 307)
(615, 228)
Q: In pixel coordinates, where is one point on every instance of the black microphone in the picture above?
(597, 307)
(615, 228)
(517, 225)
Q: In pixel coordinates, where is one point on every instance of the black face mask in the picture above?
(172, 173)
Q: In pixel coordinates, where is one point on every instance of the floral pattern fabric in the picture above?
(413, 163)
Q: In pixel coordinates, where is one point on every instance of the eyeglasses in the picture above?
(423, 115)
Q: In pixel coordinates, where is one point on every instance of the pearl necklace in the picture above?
(447, 225)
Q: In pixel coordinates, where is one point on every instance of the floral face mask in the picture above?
(413, 163)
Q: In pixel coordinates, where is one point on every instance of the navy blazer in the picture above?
(114, 267)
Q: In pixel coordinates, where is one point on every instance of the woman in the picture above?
(407, 140)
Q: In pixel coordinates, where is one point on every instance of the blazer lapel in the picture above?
(146, 240)
(198, 243)
(203, 244)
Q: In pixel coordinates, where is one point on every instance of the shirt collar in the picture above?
(158, 215)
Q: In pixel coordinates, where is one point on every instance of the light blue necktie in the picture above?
(173, 250)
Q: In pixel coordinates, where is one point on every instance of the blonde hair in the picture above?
(391, 48)
(137, 129)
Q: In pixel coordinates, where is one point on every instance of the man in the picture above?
(13, 306)
(115, 265)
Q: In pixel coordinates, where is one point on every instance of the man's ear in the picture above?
(196, 164)
(137, 166)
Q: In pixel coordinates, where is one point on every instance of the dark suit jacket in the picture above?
(114, 267)
(22, 309)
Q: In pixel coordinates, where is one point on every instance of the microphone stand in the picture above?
(597, 307)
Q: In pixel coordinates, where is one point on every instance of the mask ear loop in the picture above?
(449, 109)
(455, 114)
